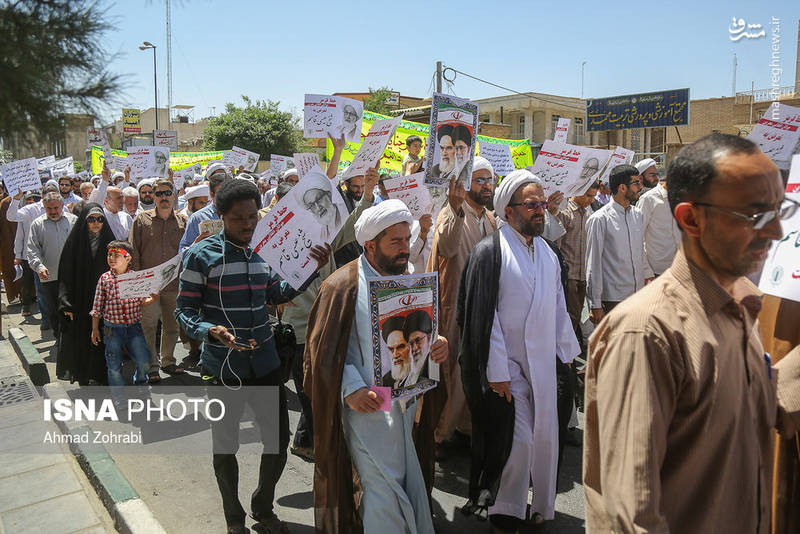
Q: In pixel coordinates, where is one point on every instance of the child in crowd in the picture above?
(121, 319)
(412, 162)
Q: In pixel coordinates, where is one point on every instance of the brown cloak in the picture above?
(8, 231)
(328, 334)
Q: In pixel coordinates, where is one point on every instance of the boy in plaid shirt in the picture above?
(121, 319)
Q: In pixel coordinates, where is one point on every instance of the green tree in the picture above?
(376, 101)
(259, 126)
(51, 62)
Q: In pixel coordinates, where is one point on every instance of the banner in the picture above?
(130, 121)
(177, 160)
(392, 160)
(167, 138)
(645, 110)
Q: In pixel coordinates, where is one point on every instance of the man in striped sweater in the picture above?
(225, 288)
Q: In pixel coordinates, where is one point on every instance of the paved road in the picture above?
(181, 490)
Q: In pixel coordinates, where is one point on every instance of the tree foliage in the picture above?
(376, 101)
(51, 62)
(259, 126)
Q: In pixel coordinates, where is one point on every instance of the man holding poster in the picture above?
(224, 292)
(356, 424)
(453, 132)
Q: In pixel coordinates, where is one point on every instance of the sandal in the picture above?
(269, 525)
(173, 369)
(153, 377)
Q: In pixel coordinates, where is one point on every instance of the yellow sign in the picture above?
(130, 121)
(177, 160)
(392, 160)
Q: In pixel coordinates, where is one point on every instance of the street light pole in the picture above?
(146, 46)
(582, 65)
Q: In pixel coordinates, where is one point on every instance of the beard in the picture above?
(531, 227)
(354, 196)
(479, 199)
(393, 265)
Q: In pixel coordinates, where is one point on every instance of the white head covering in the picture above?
(481, 163)
(130, 192)
(146, 181)
(378, 218)
(645, 164)
(506, 189)
(217, 165)
(117, 174)
(289, 172)
(196, 191)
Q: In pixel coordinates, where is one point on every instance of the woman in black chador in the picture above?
(83, 260)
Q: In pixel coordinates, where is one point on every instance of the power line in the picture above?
(529, 95)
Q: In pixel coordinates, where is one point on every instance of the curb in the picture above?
(131, 515)
(29, 357)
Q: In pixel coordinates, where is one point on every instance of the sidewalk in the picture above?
(39, 493)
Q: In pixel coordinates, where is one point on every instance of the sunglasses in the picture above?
(166, 193)
(96, 219)
(530, 205)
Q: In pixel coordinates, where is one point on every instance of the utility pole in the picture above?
(169, 64)
(733, 89)
(438, 76)
(582, 65)
(752, 97)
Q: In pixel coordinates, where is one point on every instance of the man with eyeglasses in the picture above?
(616, 265)
(156, 235)
(649, 173)
(681, 399)
(462, 222)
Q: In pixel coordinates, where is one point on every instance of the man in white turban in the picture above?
(196, 198)
(649, 172)
(354, 424)
(514, 320)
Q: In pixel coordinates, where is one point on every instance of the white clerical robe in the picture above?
(531, 327)
(380, 443)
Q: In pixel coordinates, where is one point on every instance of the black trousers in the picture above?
(50, 290)
(28, 291)
(225, 436)
(304, 435)
(565, 391)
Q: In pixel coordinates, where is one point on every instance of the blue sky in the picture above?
(281, 50)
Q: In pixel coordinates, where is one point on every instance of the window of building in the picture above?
(522, 125)
(580, 133)
(484, 118)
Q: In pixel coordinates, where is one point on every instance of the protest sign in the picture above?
(21, 175)
(167, 138)
(141, 284)
(130, 121)
(570, 169)
(311, 214)
(620, 156)
(776, 139)
(239, 157)
(412, 191)
(373, 147)
(404, 320)
(63, 167)
(499, 156)
(451, 141)
(278, 163)
(182, 175)
(45, 164)
(334, 115)
(177, 160)
(211, 226)
(118, 163)
(304, 162)
(396, 150)
(793, 184)
(148, 161)
(781, 273)
(562, 129)
(94, 136)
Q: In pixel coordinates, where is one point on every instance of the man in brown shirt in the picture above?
(463, 221)
(680, 396)
(155, 236)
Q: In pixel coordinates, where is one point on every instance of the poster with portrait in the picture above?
(239, 157)
(44, 165)
(325, 115)
(562, 129)
(404, 320)
(451, 143)
(141, 284)
(620, 156)
(278, 163)
(570, 169)
(63, 167)
(187, 173)
(148, 162)
(311, 214)
(373, 147)
(412, 191)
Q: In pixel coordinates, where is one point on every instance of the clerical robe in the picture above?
(525, 306)
(378, 445)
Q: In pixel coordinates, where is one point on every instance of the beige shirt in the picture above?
(680, 403)
(155, 240)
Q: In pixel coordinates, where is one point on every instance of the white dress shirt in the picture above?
(616, 265)
(420, 250)
(662, 238)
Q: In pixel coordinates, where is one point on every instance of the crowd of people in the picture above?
(679, 402)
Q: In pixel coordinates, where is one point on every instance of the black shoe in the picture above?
(306, 453)
(44, 326)
(191, 362)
